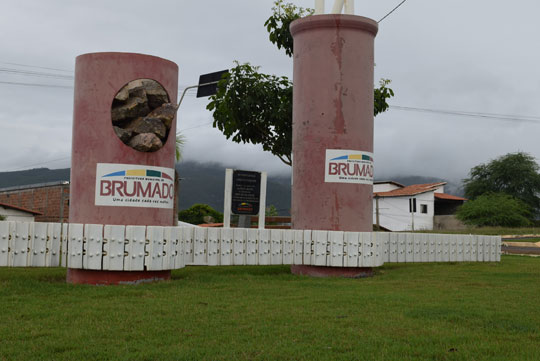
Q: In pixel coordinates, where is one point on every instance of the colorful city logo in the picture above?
(134, 186)
(348, 166)
(354, 157)
(139, 173)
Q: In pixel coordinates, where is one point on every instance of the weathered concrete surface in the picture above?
(98, 78)
(80, 276)
(332, 109)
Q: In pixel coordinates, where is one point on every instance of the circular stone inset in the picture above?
(142, 115)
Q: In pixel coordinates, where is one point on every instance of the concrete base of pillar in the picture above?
(92, 277)
(324, 271)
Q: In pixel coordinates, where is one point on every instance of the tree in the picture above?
(271, 211)
(2, 217)
(495, 209)
(252, 107)
(179, 145)
(515, 174)
(199, 214)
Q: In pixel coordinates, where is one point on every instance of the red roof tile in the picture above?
(5, 205)
(449, 197)
(411, 190)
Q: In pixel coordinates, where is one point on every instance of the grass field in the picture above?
(530, 240)
(457, 311)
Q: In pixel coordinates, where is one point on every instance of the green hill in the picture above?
(203, 183)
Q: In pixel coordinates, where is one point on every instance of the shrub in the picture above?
(199, 214)
(495, 209)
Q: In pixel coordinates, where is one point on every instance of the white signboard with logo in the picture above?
(348, 166)
(131, 185)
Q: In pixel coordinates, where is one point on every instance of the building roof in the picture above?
(36, 185)
(390, 182)
(410, 190)
(5, 205)
(449, 197)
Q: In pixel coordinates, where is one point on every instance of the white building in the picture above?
(14, 213)
(416, 207)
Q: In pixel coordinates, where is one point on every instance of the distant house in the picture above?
(415, 207)
(13, 213)
(50, 201)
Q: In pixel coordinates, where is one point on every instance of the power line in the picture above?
(197, 126)
(391, 11)
(511, 117)
(35, 73)
(35, 66)
(192, 94)
(36, 84)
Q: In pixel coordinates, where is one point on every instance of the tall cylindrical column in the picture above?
(99, 155)
(333, 123)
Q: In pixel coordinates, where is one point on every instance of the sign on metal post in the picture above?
(246, 190)
(208, 83)
(245, 195)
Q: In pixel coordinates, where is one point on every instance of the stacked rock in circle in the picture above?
(142, 115)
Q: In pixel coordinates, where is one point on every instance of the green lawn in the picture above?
(530, 240)
(457, 311)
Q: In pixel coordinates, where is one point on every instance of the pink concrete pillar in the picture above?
(333, 123)
(98, 78)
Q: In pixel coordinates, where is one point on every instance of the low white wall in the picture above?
(134, 248)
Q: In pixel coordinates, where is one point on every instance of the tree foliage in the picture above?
(278, 24)
(2, 218)
(271, 211)
(253, 107)
(495, 209)
(179, 145)
(199, 214)
(381, 96)
(515, 174)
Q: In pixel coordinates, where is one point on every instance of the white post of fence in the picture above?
(116, 247)
(53, 245)
(262, 201)
(5, 245)
(227, 201)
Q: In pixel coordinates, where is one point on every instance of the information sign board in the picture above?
(246, 189)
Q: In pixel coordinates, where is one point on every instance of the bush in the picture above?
(199, 214)
(495, 209)
(515, 174)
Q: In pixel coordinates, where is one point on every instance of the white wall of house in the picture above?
(16, 215)
(384, 187)
(439, 189)
(394, 212)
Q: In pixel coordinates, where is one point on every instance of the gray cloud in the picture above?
(469, 56)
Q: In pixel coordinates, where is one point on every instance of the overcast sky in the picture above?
(477, 56)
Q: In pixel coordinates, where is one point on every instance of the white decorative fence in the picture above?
(137, 248)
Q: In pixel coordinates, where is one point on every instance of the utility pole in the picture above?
(377, 213)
